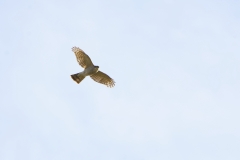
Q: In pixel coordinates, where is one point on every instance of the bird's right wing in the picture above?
(82, 58)
(103, 78)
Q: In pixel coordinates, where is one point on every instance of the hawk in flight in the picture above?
(90, 70)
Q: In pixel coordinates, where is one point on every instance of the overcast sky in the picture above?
(176, 66)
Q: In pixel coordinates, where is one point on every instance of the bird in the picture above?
(90, 70)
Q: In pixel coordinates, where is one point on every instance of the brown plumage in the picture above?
(90, 70)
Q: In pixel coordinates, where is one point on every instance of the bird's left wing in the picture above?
(103, 78)
(82, 58)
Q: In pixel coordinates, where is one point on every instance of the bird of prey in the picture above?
(90, 70)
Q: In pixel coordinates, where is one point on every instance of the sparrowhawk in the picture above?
(90, 70)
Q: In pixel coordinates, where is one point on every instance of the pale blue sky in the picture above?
(176, 66)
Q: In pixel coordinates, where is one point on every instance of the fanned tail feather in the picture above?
(77, 77)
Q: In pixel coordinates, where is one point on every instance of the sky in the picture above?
(176, 66)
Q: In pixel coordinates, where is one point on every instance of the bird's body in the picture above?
(90, 70)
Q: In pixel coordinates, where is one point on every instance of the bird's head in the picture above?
(96, 68)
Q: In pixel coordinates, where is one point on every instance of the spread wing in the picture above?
(103, 78)
(82, 58)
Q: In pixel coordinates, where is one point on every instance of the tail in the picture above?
(77, 77)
